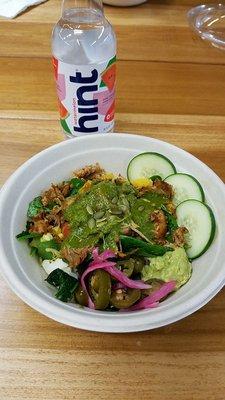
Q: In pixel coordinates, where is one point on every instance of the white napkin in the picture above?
(11, 8)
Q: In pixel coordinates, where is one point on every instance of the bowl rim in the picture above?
(90, 320)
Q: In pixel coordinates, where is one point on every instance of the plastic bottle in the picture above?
(84, 59)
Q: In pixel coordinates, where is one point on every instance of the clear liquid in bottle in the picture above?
(84, 59)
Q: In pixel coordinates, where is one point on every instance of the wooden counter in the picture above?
(170, 86)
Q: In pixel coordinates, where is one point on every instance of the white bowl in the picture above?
(124, 3)
(113, 151)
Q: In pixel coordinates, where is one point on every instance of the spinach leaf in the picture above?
(33, 251)
(143, 248)
(50, 206)
(27, 235)
(65, 284)
(28, 225)
(76, 184)
(172, 224)
(35, 207)
(155, 178)
(44, 246)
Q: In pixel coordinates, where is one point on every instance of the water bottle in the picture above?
(84, 60)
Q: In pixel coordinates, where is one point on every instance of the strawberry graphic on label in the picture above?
(109, 76)
(63, 111)
(110, 113)
(55, 66)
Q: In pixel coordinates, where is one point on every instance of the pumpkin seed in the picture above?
(125, 202)
(126, 189)
(141, 208)
(115, 200)
(89, 210)
(99, 214)
(124, 208)
(116, 211)
(91, 223)
(101, 220)
(100, 223)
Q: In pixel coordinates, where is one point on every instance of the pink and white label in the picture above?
(86, 96)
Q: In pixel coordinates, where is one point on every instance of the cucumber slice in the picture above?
(198, 218)
(145, 165)
(185, 187)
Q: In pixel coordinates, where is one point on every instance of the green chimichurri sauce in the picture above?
(105, 209)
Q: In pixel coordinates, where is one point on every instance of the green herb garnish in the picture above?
(143, 248)
(65, 283)
(33, 251)
(35, 207)
(44, 248)
(27, 235)
(155, 178)
(172, 224)
(76, 184)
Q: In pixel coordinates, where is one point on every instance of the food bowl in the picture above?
(113, 151)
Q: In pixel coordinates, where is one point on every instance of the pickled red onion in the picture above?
(154, 297)
(100, 261)
(121, 277)
(103, 256)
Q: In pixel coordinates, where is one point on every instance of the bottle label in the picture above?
(86, 96)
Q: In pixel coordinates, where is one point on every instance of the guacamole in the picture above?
(171, 266)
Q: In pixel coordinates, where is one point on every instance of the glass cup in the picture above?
(208, 21)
